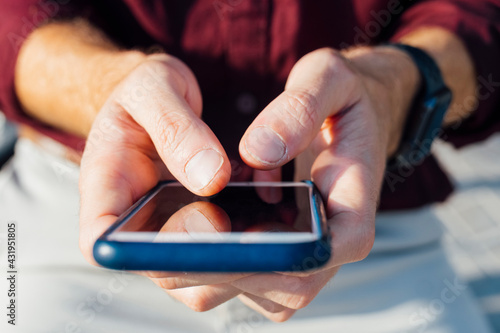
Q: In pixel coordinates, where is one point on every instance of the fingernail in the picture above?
(265, 145)
(203, 167)
(196, 222)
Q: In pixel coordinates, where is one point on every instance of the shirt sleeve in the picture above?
(17, 20)
(477, 23)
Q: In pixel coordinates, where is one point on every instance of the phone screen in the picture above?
(241, 212)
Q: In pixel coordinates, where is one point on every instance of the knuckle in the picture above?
(334, 60)
(282, 316)
(169, 69)
(300, 292)
(337, 65)
(165, 74)
(155, 70)
(200, 304)
(365, 242)
(172, 129)
(168, 284)
(300, 301)
(303, 107)
(271, 306)
(329, 54)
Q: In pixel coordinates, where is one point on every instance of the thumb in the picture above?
(320, 85)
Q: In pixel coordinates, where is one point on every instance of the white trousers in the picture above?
(405, 284)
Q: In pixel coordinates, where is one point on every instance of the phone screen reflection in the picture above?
(235, 209)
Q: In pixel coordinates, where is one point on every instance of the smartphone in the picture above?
(246, 227)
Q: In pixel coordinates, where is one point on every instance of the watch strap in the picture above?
(424, 121)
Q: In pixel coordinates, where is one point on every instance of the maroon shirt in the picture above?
(241, 52)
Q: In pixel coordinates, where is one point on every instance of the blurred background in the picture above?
(471, 219)
(7, 139)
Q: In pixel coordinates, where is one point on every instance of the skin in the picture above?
(341, 114)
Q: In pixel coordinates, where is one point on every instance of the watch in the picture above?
(424, 121)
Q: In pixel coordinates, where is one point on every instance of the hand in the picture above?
(341, 116)
(148, 129)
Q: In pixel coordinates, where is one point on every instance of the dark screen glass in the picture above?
(234, 209)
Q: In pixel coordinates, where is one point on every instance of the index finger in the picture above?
(164, 98)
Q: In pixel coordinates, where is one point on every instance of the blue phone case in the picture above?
(214, 257)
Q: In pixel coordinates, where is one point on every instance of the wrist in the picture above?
(392, 81)
(64, 72)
